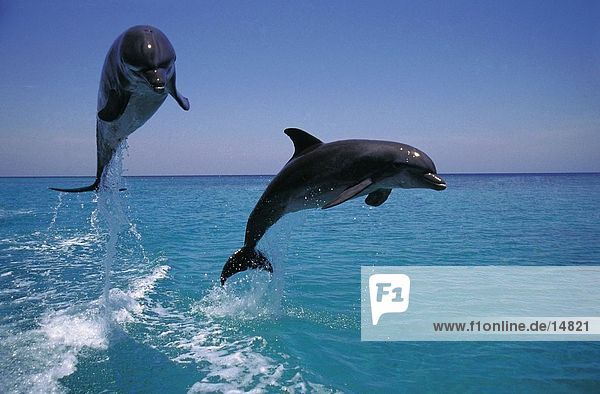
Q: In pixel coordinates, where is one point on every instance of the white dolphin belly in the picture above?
(140, 108)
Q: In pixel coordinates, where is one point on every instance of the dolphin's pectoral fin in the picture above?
(302, 141)
(181, 100)
(377, 197)
(114, 107)
(349, 193)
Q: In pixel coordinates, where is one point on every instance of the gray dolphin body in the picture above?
(138, 74)
(328, 174)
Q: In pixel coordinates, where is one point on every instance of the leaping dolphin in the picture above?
(325, 175)
(138, 73)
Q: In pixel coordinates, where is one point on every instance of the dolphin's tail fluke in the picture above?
(243, 259)
(90, 188)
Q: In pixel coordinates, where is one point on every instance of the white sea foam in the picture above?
(229, 362)
(37, 359)
(83, 240)
(145, 285)
(69, 245)
(76, 331)
(250, 298)
(4, 213)
(231, 365)
(40, 244)
(124, 305)
(241, 366)
(233, 362)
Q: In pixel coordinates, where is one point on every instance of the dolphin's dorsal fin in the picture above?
(302, 141)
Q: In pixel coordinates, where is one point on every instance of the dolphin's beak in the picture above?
(157, 79)
(434, 181)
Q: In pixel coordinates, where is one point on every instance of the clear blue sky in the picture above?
(486, 86)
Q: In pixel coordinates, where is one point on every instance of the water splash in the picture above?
(276, 245)
(55, 211)
(36, 360)
(112, 209)
(125, 305)
(254, 294)
(248, 296)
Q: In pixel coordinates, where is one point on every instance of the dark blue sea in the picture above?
(119, 292)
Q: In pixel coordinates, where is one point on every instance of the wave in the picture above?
(8, 213)
(124, 305)
(35, 360)
(213, 334)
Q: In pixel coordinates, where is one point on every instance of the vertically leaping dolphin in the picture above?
(138, 73)
(328, 174)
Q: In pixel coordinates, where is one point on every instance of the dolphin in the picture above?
(325, 175)
(138, 73)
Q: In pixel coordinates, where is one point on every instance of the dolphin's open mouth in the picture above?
(435, 181)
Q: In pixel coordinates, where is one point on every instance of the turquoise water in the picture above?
(160, 323)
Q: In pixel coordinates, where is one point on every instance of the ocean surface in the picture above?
(118, 292)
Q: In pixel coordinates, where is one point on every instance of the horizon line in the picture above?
(272, 175)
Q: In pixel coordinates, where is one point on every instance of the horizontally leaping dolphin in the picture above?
(325, 175)
(138, 73)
